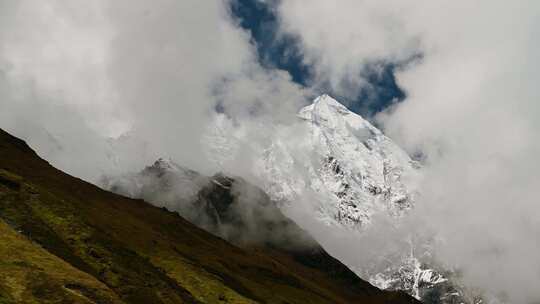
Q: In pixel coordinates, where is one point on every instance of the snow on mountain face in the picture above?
(351, 172)
(353, 166)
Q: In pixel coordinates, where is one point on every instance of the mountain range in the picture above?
(341, 167)
(342, 172)
(64, 240)
(350, 173)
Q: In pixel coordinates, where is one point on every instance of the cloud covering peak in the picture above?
(471, 110)
(75, 74)
(152, 75)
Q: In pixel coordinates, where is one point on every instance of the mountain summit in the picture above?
(327, 111)
(353, 167)
(336, 163)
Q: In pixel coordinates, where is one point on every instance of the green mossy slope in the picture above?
(29, 274)
(66, 241)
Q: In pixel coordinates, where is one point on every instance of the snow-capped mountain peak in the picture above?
(328, 112)
(323, 105)
(354, 170)
(359, 170)
(349, 171)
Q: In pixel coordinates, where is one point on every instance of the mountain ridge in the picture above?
(352, 173)
(135, 252)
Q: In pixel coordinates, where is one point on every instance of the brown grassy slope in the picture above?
(141, 253)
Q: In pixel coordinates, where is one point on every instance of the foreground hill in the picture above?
(63, 240)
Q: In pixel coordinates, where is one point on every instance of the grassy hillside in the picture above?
(63, 240)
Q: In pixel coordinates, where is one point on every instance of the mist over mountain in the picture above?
(226, 206)
(435, 184)
(358, 188)
(65, 240)
(344, 181)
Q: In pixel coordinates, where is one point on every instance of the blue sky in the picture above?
(259, 18)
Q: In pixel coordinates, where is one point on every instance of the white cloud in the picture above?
(79, 72)
(72, 74)
(472, 107)
(338, 38)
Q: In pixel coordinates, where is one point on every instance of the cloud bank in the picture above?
(73, 75)
(471, 110)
